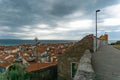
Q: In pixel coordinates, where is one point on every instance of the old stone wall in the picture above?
(85, 70)
(73, 54)
(49, 73)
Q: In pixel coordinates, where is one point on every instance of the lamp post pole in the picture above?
(96, 28)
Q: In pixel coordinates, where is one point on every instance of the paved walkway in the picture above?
(106, 62)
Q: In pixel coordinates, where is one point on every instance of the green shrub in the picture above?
(15, 72)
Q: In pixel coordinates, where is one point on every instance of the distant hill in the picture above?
(112, 41)
(117, 42)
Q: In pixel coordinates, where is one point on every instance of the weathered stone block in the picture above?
(85, 70)
(73, 54)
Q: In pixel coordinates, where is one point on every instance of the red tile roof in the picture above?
(34, 65)
(38, 66)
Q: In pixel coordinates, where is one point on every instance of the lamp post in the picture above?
(96, 27)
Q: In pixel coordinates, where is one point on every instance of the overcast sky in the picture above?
(58, 19)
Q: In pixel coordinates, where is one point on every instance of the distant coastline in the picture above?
(14, 42)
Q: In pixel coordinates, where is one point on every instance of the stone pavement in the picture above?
(106, 63)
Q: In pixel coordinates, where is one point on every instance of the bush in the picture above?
(112, 43)
(118, 42)
(2, 76)
(15, 72)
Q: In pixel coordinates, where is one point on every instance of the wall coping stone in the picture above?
(85, 70)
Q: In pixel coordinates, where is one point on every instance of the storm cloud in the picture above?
(50, 19)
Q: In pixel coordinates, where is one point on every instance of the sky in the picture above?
(58, 19)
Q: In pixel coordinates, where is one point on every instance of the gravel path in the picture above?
(106, 63)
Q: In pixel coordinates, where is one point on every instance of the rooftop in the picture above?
(54, 51)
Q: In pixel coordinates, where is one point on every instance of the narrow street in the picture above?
(106, 62)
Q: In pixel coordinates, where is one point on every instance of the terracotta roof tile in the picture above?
(38, 66)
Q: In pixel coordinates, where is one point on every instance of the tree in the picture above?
(118, 42)
(15, 72)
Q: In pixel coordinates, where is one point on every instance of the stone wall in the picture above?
(49, 73)
(73, 54)
(85, 70)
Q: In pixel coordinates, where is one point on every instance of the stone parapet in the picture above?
(85, 70)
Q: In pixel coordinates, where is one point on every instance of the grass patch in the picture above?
(117, 46)
(2, 76)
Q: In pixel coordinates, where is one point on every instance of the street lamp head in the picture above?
(97, 10)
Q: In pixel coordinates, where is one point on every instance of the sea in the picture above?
(15, 42)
